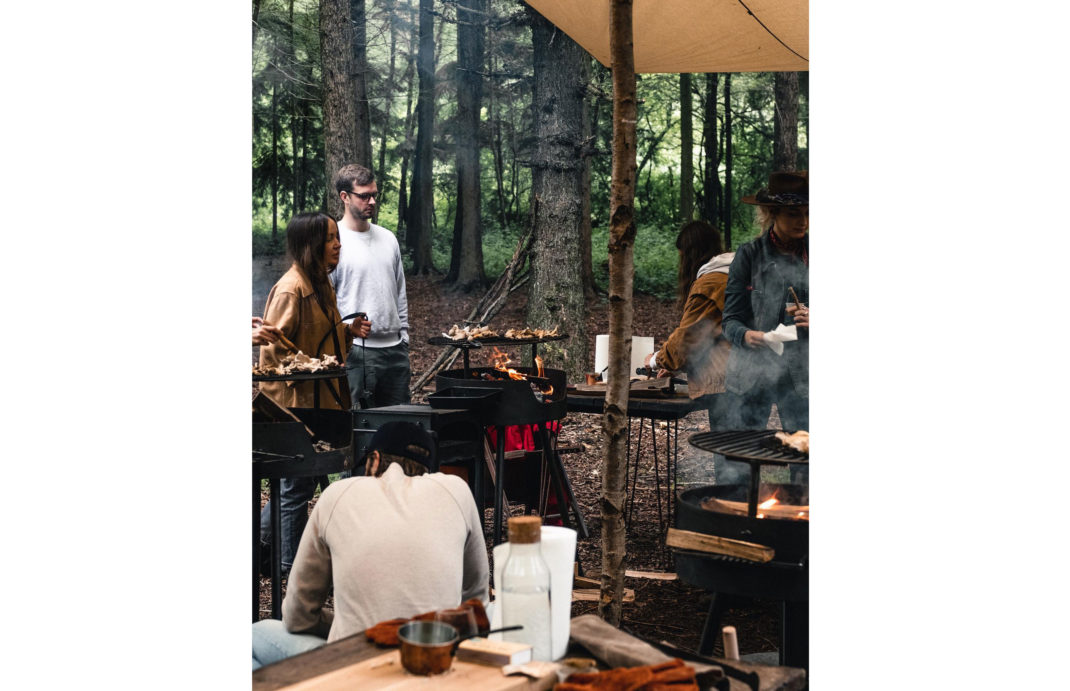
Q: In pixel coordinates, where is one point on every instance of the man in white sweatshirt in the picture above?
(370, 278)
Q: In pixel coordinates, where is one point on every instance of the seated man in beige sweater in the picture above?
(395, 543)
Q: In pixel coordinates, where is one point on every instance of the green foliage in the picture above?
(654, 257)
(288, 158)
(498, 247)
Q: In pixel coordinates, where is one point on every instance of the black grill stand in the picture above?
(558, 477)
(729, 577)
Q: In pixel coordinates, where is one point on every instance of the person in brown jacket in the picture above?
(302, 306)
(696, 346)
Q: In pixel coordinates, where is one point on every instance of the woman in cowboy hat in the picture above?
(764, 275)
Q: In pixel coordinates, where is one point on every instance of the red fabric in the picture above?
(523, 437)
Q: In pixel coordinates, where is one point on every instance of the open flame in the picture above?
(501, 360)
(768, 503)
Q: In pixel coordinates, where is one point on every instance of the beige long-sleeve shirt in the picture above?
(392, 546)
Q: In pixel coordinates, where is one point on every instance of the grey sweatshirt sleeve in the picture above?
(403, 298)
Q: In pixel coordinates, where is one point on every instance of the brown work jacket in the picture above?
(696, 346)
(292, 306)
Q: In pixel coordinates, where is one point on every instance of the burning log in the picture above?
(770, 508)
(500, 360)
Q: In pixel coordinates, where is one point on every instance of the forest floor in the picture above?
(663, 610)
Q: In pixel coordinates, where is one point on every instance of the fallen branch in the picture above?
(490, 304)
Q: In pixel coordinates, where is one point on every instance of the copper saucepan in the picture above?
(428, 647)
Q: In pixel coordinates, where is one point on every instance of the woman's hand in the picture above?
(802, 316)
(753, 339)
(360, 327)
(264, 333)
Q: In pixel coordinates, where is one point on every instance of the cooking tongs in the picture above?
(653, 374)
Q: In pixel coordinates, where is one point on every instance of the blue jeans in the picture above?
(294, 495)
(272, 642)
(383, 372)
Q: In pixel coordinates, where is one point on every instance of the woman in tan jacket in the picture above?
(696, 346)
(302, 306)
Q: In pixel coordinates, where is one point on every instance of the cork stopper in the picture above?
(525, 530)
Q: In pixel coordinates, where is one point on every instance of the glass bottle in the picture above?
(526, 588)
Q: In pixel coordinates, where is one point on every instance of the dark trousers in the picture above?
(294, 495)
(383, 372)
(751, 409)
(719, 408)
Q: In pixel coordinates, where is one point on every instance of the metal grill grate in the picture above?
(749, 445)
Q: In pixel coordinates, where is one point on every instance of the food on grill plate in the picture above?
(800, 441)
(299, 362)
(470, 333)
(530, 333)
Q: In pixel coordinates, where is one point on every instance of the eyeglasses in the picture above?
(364, 196)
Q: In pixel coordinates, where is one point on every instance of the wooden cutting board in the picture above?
(639, 388)
(385, 672)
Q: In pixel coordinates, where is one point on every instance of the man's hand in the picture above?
(753, 339)
(802, 316)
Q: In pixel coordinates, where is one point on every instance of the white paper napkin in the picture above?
(776, 338)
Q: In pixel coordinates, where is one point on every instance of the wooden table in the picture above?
(346, 663)
(354, 663)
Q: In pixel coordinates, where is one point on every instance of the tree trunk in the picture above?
(274, 156)
(471, 29)
(786, 121)
(687, 170)
(363, 155)
(339, 112)
(407, 147)
(275, 161)
(589, 128)
(421, 199)
(711, 178)
(388, 112)
(621, 273)
(555, 296)
(256, 19)
(496, 136)
(728, 201)
(295, 177)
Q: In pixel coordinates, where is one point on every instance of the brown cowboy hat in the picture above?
(785, 189)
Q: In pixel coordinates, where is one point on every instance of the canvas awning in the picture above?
(694, 35)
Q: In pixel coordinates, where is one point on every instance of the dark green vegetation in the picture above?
(289, 162)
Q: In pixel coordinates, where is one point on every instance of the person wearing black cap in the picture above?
(394, 543)
(766, 275)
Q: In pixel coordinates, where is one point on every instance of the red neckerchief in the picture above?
(796, 247)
